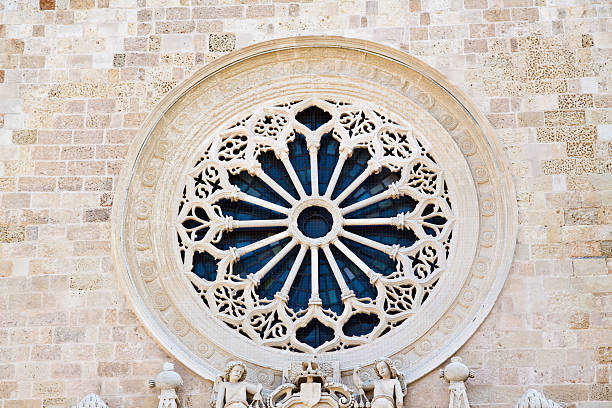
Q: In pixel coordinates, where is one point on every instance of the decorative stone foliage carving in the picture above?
(91, 401)
(310, 389)
(431, 209)
(535, 399)
(456, 374)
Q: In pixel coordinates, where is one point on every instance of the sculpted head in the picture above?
(384, 368)
(235, 372)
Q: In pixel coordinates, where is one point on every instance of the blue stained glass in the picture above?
(241, 210)
(373, 258)
(254, 261)
(313, 117)
(360, 324)
(386, 208)
(326, 160)
(354, 277)
(300, 160)
(353, 167)
(315, 222)
(315, 333)
(300, 290)
(275, 279)
(276, 170)
(385, 234)
(204, 265)
(329, 291)
(245, 236)
(375, 184)
(255, 187)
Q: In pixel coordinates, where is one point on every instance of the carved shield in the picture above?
(310, 393)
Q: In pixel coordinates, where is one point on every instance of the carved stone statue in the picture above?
(533, 399)
(387, 391)
(91, 401)
(167, 381)
(230, 390)
(457, 373)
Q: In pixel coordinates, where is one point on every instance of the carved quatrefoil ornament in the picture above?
(314, 197)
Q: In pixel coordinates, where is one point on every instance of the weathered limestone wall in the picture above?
(77, 78)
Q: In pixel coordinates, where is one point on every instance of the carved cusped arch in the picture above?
(314, 196)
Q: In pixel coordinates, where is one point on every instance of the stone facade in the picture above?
(78, 78)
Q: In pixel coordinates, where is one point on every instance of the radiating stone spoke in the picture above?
(364, 203)
(259, 223)
(400, 221)
(294, 177)
(260, 244)
(293, 272)
(314, 276)
(257, 277)
(334, 177)
(263, 203)
(314, 172)
(276, 187)
(373, 276)
(356, 183)
(367, 242)
(344, 289)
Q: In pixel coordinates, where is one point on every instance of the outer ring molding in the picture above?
(146, 188)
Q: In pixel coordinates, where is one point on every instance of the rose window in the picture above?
(315, 225)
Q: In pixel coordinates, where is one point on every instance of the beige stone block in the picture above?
(89, 136)
(221, 42)
(86, 168)
(45, 352)
(595, 284)
(114, 369)
(8, 389)
(217, 12)
(530, 119)
(12, 233)
(589, 266)
(67, 371)
(50, 168)
(25, 136)
(16, 200)
(68, 121)
(525, 14)
(566, 392)
(77, 152)
(518, 339)
(496, 15)
(511, 358)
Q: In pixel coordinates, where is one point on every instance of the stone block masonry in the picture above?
(78, 77)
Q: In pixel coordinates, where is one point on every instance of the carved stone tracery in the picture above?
(242, 107)
(202, 223)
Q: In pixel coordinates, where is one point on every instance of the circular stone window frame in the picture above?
(144, 199)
